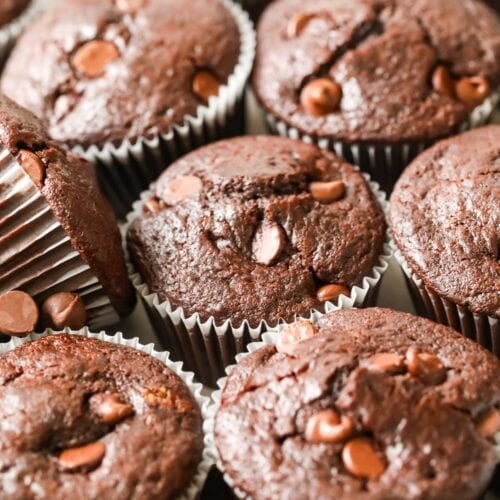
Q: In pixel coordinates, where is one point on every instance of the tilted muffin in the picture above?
(444, 217)
(371, 404)
(57, 231)
(10, 10)
(101, 72)
(257, 229)
(84, 418)
(376, 80)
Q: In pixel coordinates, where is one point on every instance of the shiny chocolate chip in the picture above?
(84, 458)
(321, 97)
(268, 243)
(110, 408)
(205, 85)
(92, 58)
(387, 362)
(361, 459)
(64, 309)
(18, 313)
(331, 292)
(442, 81)
(294, 333)
(472, 91)
(327, 192)
(489, 424)
(328, 426)
(180, 188)
(32, 165)
(297, 23)
(426, 366)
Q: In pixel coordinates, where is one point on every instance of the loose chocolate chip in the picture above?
(321, 97)
(294, 333)
(362, 460)
(442, 81)
(64, 309)
(472, 91)
(152, 206)
(110, 408)
(268, 243)
(489, 424)
(130, 6)
(32, 165)
(387, 362)
(297, 23)
(205, 85)
(327, 192)
(426, 366)
(92, 58)
(83, 458)
(182, 187)
(328, 427)
(18, 313)
(331, 292)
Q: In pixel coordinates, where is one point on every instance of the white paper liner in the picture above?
(198, 480)
(481, 328)
(36, 254)
(206, 346)
(10, 32)
(269, 338)
(384, 163)
(126, 169)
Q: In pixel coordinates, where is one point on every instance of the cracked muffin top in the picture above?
(84, 418)
(366, 404)
(69, 186)
(444, 216)
(257, 228)
(10, 9)
(100, 71)
(380, 71)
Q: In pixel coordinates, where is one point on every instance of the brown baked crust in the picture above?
(426, 433)
(444, 217)
(148, 88)
(10, 9)
(382, 53)
(70, 188)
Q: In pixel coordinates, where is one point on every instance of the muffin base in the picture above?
(196, 485)
(207, 347)
(126, 169)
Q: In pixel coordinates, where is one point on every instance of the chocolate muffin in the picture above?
(494, 4)
(57, 231)
(365, 404)
(444, 219)
(376, 80)
(11, 9)
(84, 418)
(101, 71)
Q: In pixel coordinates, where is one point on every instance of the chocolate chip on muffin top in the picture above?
(257, 228)
(368, 404)
(379, 71)
(99, 71)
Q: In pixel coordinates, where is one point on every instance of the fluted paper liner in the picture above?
(126, 169)
(36, 254)
(269, 338)
(483, 329)
(198, 480)
(207, 347)
(384, 162)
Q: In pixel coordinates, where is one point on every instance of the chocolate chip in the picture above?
(130, 6)
(92, 58)
(472, 91)
(331, 292)
(294, 333)
(64, 309)
(297, 23)
(163, 397)
(18, 313)
(269, 242)
(110, 408)
(83, 458)
(32, 165)
(205, 85)
(327, 192)
(361, 459)
(182, 187)
(321, 97)
(426, 366)
(328, 427)
(387, 362)
(442, 82)
(152, 206)
(489, 424)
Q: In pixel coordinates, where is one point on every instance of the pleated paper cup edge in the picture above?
(195, 388)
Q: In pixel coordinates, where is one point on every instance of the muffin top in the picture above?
(444, 216)
(10, 9)
(69, 185)
(99, 71)
(375, 404)
(379, 71)
(257, 228)
(84, 418)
